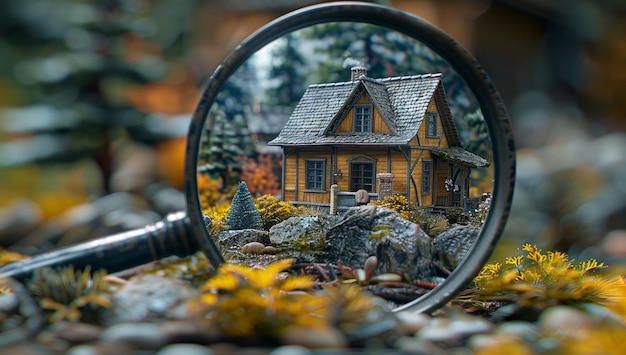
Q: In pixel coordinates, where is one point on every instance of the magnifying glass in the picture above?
(402, 121)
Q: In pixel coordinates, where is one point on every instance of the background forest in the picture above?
(96, 96)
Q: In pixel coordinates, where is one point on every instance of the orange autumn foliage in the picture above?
(171, 160)
(175, 95)
(259, 176)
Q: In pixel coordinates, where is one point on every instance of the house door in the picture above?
(362, 176)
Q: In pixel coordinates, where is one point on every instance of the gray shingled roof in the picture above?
(402, 102)
(461, 156)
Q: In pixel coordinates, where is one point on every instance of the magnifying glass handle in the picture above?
(170, 236)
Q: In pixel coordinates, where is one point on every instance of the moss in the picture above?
(380, 231)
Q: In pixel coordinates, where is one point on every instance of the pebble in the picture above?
(467, 326)
(18, 218)
(102, 349)
(564, 320)
(291, 350)
(524, 330)
(496, 344)
(150, 297)
(411, 345)
(186, 349)
(9, 303)
(196, 331)
(314, 338)
(438, 332)
(253, 248)
(412, 322)
(139, 335)
(76, 333)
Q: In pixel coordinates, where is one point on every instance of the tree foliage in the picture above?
(69, 64)
(243, 213)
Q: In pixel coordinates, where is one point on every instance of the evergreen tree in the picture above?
(222, 145)
(226, 138)
(286, 72)
(384, 53)
(243, 213)
(69, 63)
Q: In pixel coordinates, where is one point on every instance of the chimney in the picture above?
(357, 72)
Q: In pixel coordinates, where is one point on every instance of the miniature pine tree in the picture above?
(243, 213)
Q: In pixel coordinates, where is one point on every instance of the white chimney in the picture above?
(357, 72)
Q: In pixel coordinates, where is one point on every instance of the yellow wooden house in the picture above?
(366, 132)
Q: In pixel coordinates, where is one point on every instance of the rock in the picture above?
(76, 333)
(253, 248)
(453, 245)
(291, 350)
(314, 338)
(438, 332)
(362, 197)
(101, 349)
(189, 331)
(400, 246)
(467, 326)
(235, 239)
(187, 349)
(150, 297)
(564, 320)
(139, 335)
(18, 218)
(9, 303)
(269, 250)
(411, 323)
(524, 330)
(165, 199)
(352, 237)
(411, 345)
(302, 237)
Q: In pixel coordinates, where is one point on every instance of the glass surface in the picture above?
(324, 113)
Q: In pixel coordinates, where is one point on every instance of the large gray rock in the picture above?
(302, 237)
(453, 245)
(401, 246)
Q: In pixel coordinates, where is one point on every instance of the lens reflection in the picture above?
(324, 126)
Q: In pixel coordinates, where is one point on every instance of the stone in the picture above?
(453, 245)
(187, 349)
(139, 335)
(76, 333)
(411, 323)
(362, 197)
(9, 303)
(149, 297)
(291, 350)
(18, 218)
(302, 237)
(314, 338)
(235, 239)
(524, 330)
(253, 248)
(564, 320)
(400, 246)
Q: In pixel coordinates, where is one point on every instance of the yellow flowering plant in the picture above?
(538, 279)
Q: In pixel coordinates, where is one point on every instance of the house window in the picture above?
(362, 176)
(431, 124)
(363, 118)
(315, 177)
(426, 175)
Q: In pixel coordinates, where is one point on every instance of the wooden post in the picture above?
(385, 183)
(334, 191)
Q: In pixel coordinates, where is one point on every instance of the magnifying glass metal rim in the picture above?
(460, 60)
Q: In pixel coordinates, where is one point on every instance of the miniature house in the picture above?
(385, 136)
